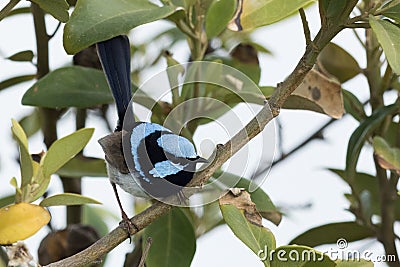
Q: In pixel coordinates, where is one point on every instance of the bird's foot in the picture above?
(129, 226)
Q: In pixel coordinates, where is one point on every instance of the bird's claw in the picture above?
(129, 226)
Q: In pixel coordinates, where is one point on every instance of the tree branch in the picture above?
(223, 153)
(4, 12)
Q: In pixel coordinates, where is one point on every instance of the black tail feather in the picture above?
(115, 58)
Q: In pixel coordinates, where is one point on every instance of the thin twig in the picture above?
(358, 37)
(6, 10)
(316, 135)
(306, 28)
(364, 25)
(145, 252)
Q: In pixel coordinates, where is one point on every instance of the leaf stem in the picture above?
(306, 29)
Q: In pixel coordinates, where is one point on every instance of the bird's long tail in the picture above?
(115, 58)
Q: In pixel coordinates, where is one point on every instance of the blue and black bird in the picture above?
(157, 162)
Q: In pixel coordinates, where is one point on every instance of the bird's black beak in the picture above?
(201, 160)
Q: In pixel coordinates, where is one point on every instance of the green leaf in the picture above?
(84, 166)
(256, 237)
(389, 157)
(67, 199)
(391, 10)
(388, 35)
(64, 149)
(354, 263)
(31, 123)
(330, 233)
(17, 11)
(93, 21)
(26, 55)
(254, 14)
(338, 62)
(363, 131)
(218, 15)
(353, 106)
(25, 157)
(18, 192)
(96, 217)
(299, 256)
(15, 80)
(333, 8)
(69, 87)
(7, 200)
(362, 182)
(174, 242)
(57, 8)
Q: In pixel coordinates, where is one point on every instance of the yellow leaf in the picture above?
(20, 221)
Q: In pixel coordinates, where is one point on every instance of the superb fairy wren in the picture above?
(157, 162)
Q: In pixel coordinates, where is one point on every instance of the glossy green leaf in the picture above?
(15, 80)
(64, 149)
(354, 263)
(353, 106)
(388, 35)
(174, 241)
(218, 15)
(81, 166)
(57, 8)
(93, 21)
(69, 87)
(7, 200)
(338, 62)
(31, 123)
(253, 14)
(330, 233)
(391, 10)
(362, 132)
(256, 237)
(300, 256)
(67, 199)
(25, 157)
(389, 157)
(26, 55)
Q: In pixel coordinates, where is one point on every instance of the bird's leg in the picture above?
(183, 199)
(126, 222)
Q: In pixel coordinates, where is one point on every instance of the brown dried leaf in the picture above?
(324, 92)
(241, 199)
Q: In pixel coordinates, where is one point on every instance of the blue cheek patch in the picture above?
(165, 168)
(177, 145)
(140, 132)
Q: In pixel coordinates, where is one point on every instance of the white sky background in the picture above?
(299, 180)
